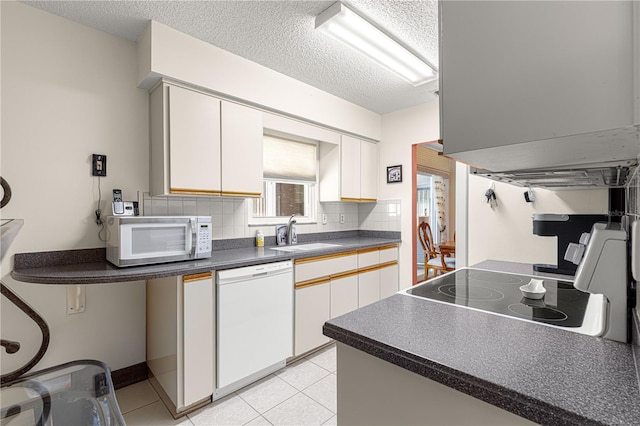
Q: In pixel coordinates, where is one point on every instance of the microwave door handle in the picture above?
(192, 223)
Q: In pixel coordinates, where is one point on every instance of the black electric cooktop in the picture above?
(563, 305)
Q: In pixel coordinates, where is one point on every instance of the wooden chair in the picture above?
(433, 259)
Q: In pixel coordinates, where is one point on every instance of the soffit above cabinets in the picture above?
(281, 35)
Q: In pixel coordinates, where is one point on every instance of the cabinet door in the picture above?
(368, 287)
(388, 281)
(312, 311)
(344, 294)
(368, 171)
(549, 61)
(164, 317)
(194, 141)
(241, 150)
(349, 168)
(197, 331)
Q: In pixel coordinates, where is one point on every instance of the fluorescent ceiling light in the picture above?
(345, 25)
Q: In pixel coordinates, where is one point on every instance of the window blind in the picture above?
(289, 160)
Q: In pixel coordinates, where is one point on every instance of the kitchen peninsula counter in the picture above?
(90, 266)
(543, 374)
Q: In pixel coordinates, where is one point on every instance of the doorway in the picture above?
(433, 201)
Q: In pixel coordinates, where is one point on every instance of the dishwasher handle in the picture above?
(254, 272)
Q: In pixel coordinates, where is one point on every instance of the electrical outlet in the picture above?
(99, 165)
(341, 217)
(324, 218)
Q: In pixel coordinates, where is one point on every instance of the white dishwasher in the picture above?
(254, 324)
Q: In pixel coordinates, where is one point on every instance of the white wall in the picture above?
(400, 130)
(501, 234)
(69, 91)
(167, 52)
(506, 232)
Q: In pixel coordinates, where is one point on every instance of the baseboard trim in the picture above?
(129, 375)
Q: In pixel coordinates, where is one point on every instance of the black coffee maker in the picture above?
(567, 228)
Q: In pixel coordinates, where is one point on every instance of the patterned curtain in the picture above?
(441, 202)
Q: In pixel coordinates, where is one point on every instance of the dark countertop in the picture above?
(547, 375)
(90, 267)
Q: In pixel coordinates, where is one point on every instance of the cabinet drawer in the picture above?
(368, 257)
(323, 266)
(389, 254)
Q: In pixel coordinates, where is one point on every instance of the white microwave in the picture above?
(144, 240)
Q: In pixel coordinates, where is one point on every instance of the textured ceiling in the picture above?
(280, 35)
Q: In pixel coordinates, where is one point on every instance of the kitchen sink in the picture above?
(306, 247)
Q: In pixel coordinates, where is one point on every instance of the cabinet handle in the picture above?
(376, 267)
(196, 277)
(240, 194)
(358, 200)
(368, 250)
(311, 283)
(190, 191)
(345, 275)
(326, 256)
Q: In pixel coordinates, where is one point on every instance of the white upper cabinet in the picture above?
(185, 142)
(241, 150)
(201, 145)
(534, 73)
(348, 171)
(368, 169)
(350, 168)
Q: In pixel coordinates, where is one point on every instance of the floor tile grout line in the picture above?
(278, 405)
(325, 369)
(141, 407)
(259, 415)
(314, 400)
(274, 376)
(306, 387)
(292, 396)
(334, 413)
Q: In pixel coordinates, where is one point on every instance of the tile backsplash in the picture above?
(231, 215)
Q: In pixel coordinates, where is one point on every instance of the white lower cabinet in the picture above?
(389, 282)
(344, 294)
(312, 311)
(180, 339)
(333, 285)
(368, 287)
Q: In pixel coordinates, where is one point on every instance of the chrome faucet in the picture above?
(290, 237)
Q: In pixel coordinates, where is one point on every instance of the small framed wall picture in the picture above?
(394, 174)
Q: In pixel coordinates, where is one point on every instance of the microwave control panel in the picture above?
(204, 238)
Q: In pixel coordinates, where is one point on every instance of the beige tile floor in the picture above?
(303, 393)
